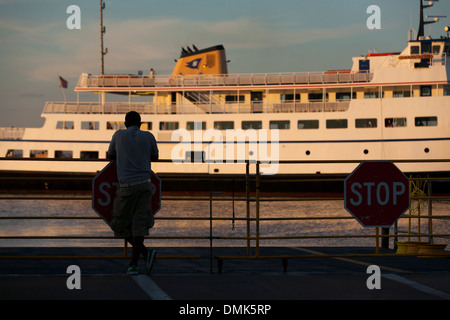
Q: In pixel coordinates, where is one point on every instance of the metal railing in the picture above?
(221, 80)
(11, 133)
(253, 237)
(190, 108)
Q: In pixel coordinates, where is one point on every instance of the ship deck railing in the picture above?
(221, 80)
(11, 133)
(191, 108)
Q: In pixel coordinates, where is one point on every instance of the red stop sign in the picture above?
(104, 186)
(376, 193)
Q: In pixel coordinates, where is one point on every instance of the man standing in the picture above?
(133, 150)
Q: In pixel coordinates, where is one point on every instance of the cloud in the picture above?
(31, 95)
(24, 27)
(140, 43)
(255, 34)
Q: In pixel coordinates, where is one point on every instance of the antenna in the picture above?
(435, 19)
(422, 24)
(410, 16)
(102, 31)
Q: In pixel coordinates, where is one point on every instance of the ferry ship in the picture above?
(388, 106)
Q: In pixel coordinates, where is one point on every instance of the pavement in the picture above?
(186, 274)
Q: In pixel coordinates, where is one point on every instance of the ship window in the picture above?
(426, 47)
(394, 122)
(289, 97)
(89, 125)
(436, 49)
(343, 95)
(401, 94)
(195, 125)
(364, 65)
(63, 154)
(146, 126)
(195, 156)
(425, 121)
(308, 124)
(14, 153)
(425, 91)
(415, 50)
(337, 123)
(251, 125)
(64, 125)
(111, 125)
(447, 91)
(316, 96)
(38, 154)
(223, 125)
(89, 155)
(282, 124)
(234, 98)
(168, 125)
(371, 94)
(366, 123)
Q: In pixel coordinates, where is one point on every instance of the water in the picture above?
(221, 228)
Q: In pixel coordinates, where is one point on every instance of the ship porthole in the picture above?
(426, 150)
(366, 151)
(308, 152)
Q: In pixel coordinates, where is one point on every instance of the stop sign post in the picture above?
(104, 186)
(376, 193)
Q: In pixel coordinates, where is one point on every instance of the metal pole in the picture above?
(102, 31)
(257, 209)
(395, 233)
(420, 32)
(377, 246)
(211, 231)
(430, 213)
(247, 196)
(409, 218)
(418, 219)
(385, 238)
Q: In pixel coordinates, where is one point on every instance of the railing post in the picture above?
(377, 237)
(409, 218)
(257, 209)
(210, 230)
(247, 199)
(430, 214)
(395, 234)
(210, 233)
(385, 238)
(125, 248)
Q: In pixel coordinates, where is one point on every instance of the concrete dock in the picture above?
(190, 277)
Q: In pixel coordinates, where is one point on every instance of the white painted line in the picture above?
(150, 287)
(418, 286)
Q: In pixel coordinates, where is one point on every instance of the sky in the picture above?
(259, 36)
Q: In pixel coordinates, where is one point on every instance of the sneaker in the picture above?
(150, 259)
(132, 270)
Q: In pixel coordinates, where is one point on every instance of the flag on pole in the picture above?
(63, 83)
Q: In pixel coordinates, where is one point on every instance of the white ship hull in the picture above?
(340, 144)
